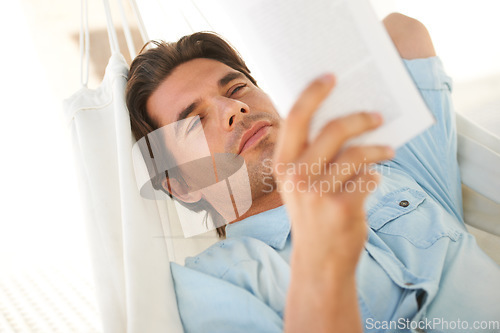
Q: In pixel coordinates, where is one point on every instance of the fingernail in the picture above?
(377, 117)
(327, 78)
(390, 151)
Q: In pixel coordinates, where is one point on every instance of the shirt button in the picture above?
(408, 284)
(404, 203)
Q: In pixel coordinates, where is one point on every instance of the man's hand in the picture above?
(328, 222)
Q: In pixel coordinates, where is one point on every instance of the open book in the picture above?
(288, 43)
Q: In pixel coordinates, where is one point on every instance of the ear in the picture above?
(180, 190)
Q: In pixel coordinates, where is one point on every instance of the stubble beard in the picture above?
(262, 181)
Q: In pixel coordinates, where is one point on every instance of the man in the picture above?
(414, 268)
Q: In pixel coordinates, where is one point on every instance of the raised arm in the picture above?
(328, 224)
(329, 229)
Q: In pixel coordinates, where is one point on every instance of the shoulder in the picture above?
(243, 276)
(208, 304)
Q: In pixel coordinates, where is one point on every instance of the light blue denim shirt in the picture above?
(420, 269)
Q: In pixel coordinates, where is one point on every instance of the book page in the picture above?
(291, 42)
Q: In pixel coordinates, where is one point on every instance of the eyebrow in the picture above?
(187, 111)
(230, 77)
(221, 83)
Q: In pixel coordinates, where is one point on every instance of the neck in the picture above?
(266, 202)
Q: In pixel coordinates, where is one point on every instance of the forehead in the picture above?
(187, 83)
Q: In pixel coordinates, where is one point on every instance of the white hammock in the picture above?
(129, 253)
(132, 240)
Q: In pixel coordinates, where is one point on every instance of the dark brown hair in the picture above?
(153, 65)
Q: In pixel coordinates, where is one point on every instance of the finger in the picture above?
(352, 162)
(334, 135)
(294, 135)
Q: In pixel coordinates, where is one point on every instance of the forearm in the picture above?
(325, 302)
(328, 228)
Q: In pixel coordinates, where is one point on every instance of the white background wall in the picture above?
(465, 33)
(466, 36)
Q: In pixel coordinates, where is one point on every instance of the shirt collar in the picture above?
(272, 227)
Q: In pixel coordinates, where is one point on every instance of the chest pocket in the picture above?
(410, 214)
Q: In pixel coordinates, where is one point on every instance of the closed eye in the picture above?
(237, 89)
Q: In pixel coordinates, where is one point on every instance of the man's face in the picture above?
(236, 116)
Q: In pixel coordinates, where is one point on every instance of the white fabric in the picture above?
(131, 264)
(479, 159)
(132, 239)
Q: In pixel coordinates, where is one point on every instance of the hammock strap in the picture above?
(113, 39)
(84, 44)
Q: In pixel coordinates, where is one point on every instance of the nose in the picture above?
(231, 111)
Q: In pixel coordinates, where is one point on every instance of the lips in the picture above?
(253, 134)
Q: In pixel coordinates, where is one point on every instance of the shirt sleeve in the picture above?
(208, 304)
(431, 157)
